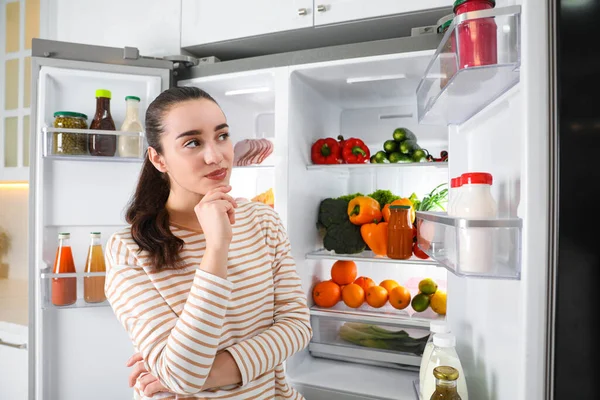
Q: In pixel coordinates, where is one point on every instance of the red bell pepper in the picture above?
(355, 151)
(325, 151)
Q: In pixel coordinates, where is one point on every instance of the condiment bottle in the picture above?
(475, 254)
(443, 354)
(400, 233)
(445, 384)
(64, 290)
(477, 38)
(100, 144)
(434, 327)
(131, 146)
(93, 286)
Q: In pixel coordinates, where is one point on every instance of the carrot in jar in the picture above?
(64, 290)
(400, 233)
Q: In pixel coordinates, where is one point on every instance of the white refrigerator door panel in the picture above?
(80, 352)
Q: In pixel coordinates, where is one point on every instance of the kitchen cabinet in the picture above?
(208, 21)
(336, 11)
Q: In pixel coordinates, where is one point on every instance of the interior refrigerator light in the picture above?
(375, 78)
(247, 91)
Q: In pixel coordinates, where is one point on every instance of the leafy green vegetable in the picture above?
(379, 338)
(383, 197)
(436, 200)
(349, 197)
(344, 238)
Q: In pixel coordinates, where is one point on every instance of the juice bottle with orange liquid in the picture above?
(93, 286)
(64, 290)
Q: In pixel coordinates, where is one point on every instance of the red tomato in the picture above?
(419, 253)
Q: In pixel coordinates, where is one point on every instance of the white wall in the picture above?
(13, 221)
(153, 26)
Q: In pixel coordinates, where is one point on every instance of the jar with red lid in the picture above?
(477, 40)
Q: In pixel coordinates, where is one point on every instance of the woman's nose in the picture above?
(212, 154)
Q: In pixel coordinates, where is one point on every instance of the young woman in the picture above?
(206, 288)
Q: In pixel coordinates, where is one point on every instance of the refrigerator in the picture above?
(489, 119)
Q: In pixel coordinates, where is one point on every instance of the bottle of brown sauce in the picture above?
(102, 145)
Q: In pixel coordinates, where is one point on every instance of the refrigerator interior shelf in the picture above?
(49, 146)
(452, 89)
(96, 282)
(365, 256)
(416, 387)
(372, 167)
(485, 248)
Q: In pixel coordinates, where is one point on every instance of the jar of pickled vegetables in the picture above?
(67, 142)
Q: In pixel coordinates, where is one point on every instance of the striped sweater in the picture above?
(180, 319)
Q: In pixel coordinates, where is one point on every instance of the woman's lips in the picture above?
(218, 175)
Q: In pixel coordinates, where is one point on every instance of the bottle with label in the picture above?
(475, 254)
(434, 327)
(444, 354)
(400, 233)
(445, 384)
(64, 290)
(131, 146)
(93, 286)
(100, 144)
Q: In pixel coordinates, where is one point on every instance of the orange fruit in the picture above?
(326, 294)
(365, 283)
(343, 272)
(389, 284)
(353, 295)
(377, 296)
(399, 297)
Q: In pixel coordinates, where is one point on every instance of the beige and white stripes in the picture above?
(180, 319)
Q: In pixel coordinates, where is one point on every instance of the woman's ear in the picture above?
(157, 160)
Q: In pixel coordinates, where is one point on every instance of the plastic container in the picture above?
(448, 54)
(64, 290)
(434, 327)
(130, 146)
(103, 145)
(400, 233)
(444, 354)
(93, 286)
(477, 38)
(476, 202)
(69, 143)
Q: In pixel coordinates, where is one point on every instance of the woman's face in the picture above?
(197, 152)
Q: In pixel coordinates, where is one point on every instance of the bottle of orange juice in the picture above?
(64, 290)
(93, 286)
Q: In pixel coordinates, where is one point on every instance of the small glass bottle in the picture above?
(103, 145)
(400, 233)
(444, 354)
(130, 146)
(64, 290)
(445, 384)
(93, 286)
(434, 327)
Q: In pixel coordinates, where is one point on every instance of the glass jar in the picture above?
(445, 384)
(400, 233)
(100, 144)
(477, 40)
(69, 143)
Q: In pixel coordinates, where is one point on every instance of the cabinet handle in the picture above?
(321, 8)
(14, 345)
(302, 12)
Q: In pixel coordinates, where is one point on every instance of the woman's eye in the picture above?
(192, 143)
(224, 136)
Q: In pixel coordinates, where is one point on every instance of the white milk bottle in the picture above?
(476, 251)
(443, 354)
(434, 327)
(131, 146)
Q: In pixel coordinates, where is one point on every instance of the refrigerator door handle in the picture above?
(22, 346)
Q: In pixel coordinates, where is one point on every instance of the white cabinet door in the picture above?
(335, 11)
(13, 369)
(209, 21)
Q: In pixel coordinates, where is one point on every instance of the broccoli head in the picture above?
(344, 238)
(333, 211)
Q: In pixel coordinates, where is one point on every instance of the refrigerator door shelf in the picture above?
(52, 135)
(453, 90)
(366, 256)
(484, 248)
(47, 278)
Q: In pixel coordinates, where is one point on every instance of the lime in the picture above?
(381, 157)
(420, 302)
(438, 302)
(390, 146)
(427, 286)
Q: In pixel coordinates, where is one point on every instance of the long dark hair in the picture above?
(146, 212)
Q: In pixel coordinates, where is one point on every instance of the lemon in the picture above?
(427, 286)
(438, 302)
(420, 302)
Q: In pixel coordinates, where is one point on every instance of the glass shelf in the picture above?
(365, 256)
(49, 137)
(370, 167)
(485, 248)
(78, 279)
(453, 89)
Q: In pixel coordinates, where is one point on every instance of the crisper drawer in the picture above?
(366, 340)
